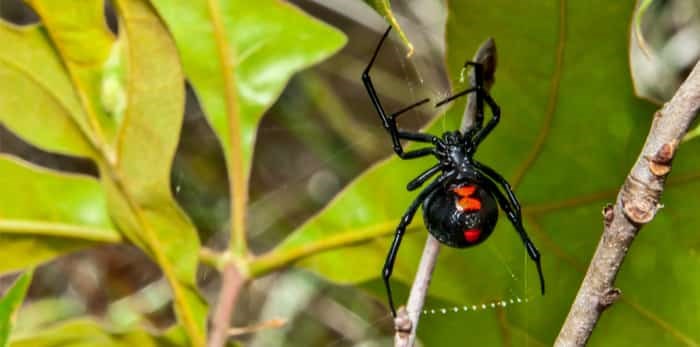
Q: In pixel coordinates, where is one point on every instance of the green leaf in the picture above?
(239, 55)
(41, 93)
(266, 41)
(146, 145)
(45, 214)
(80, 34)
(570, 130)
(383, 7)
(88, 333)
(10, 303)
(42, 312)
(131, 97)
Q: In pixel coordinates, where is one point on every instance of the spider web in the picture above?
(514, 290)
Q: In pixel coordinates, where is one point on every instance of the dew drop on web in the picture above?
(476, 307)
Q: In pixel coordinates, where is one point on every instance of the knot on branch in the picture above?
(660, 163)
(609, 297)
(640, 199)
(402, 323)
(640, 202)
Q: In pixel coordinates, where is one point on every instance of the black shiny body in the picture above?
(447, 222)
(459, 206)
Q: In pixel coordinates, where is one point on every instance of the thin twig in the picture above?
(252, 329)
(406, 322)
(637, 203)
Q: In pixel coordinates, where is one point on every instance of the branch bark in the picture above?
(637, 203)
(407, 318)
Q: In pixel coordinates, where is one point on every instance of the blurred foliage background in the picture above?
(322, 133)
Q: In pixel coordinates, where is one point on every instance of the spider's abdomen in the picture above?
(460, 215)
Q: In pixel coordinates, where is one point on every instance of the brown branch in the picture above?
(637, 203)
(406, 322)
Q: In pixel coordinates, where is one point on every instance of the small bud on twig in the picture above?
(607, 214)
(609, 297)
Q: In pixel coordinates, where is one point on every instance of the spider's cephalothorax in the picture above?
(459, 207)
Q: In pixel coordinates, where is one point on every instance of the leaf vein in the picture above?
(551, 102)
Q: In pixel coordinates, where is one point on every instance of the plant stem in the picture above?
(280, 258)
(232, 277)
(637, 203)
(406, 322)
(231, 283)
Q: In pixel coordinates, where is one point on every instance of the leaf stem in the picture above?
(26, 227)
(637, 204)
(212, 258)
(232, 278)
(238, 184)
(278, 259)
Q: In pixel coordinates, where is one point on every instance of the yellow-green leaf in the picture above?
(239, 55)
(88, 333)
(45, 214)
(383, 7)
(81, 36)
(146, 146)
(37, 91)
(131, 91)
(266, 42)
(10, 303)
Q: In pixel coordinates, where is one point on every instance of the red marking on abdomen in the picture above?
(472, 235)
(466, 201)
(465, 191)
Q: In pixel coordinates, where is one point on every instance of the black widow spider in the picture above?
(459, 207)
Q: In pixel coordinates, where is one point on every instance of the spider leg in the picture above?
(482, 133)
(481, 96)
(421, 152)
(395, 115)
(478, 88)
(455, 96)
(419, 137)
(491, 173)
(401, 228)
(389, 121)
(516, 220)
(418, 181)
